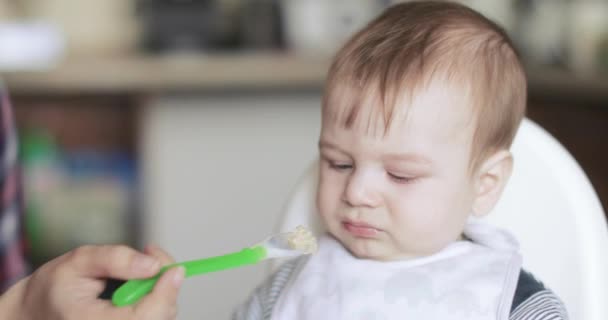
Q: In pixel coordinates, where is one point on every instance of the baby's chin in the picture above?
(371, 249)
(379, 250)
(387, 256)
(379, 255)
(379, 247)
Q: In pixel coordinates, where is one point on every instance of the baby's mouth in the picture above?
(360, 229)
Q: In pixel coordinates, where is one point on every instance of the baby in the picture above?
(419, 113)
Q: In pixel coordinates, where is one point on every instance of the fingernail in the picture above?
(145, 263)
(178, 277)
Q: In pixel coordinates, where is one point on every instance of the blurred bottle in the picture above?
(603, 54)
(588, 33)
(320, 27)
(541, 32)
(177, 25)
(260, 25)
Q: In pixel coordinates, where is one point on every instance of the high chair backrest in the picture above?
(550, 206)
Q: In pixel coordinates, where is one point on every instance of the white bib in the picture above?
(468, 280)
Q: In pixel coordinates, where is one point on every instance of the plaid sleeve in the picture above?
(12, 244)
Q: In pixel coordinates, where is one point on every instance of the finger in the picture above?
(119, 262)
(161, 303)
(160, 254)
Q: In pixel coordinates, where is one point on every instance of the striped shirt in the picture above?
(532, 301)
(12, 244)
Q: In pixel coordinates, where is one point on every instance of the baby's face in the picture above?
(405, 194)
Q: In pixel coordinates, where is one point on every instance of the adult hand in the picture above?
(67, 288)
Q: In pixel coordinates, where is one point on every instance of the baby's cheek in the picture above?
(417, 219)
(328, 191)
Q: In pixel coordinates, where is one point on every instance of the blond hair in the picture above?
(413, 43)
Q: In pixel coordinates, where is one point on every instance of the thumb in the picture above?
(161, 303)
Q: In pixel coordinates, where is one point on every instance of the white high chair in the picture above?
(550, 206)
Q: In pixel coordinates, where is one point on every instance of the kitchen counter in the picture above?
(166, 74)
(253, 71)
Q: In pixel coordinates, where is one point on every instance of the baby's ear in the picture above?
(491, 179)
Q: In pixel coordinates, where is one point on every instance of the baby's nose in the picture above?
(361, 191)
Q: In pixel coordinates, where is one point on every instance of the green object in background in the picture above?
(38, 146)
(72, 197)
(133, 290)
(39, 155)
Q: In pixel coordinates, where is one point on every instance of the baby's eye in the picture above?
(400, 178)
(339, 165)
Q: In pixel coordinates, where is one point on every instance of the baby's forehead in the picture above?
(440, 104)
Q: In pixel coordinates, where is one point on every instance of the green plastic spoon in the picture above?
(290, 244)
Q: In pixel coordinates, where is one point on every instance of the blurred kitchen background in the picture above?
(186, 123)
